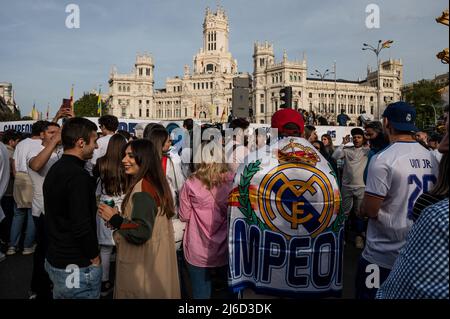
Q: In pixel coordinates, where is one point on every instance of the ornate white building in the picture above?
(319, 95)
(6, 92)
(206, 92)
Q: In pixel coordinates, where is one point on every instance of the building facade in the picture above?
(205, 93)
(324, 97)
(6, 92)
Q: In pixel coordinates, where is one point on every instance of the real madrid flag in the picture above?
(286, 223)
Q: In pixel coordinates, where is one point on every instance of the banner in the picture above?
(286, 231)
(128, 125)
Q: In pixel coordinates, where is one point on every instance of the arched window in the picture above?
(209, 68)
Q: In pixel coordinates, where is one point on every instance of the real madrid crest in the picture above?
(296, 199)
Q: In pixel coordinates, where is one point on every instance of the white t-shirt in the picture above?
(37, 179)
(437, 155)
(4, 174)
(22, 151)
(399, 174)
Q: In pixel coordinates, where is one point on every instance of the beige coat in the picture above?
(150, 270)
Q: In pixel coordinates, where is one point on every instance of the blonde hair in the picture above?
(211, 171)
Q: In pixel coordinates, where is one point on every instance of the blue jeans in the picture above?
(70, 283)
(16, 227)
(201, 280)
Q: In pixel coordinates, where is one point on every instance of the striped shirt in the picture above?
(424, 200)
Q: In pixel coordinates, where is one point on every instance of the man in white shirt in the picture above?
(40, 162)
(23, 191)
(352, 190)
(108, 124)
(396, 177)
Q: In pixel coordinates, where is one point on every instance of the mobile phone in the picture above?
(66, 104)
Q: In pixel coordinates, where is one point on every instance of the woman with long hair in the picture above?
(203, 206)
(111, 188)
(146, 264)
(329, 148)
(328, 143)
(171, 164)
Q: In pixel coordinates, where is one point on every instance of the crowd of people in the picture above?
(141, 218)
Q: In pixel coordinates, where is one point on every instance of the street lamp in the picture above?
(322, 76)
(434, 112)
(381, 45)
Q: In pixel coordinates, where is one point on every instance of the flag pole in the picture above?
(71, 98)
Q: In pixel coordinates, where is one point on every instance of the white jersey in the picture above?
(37, 179)
(399, 175)
(22, 153)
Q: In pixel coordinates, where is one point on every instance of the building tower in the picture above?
(143, 101)
(263, 57)
(214, 55)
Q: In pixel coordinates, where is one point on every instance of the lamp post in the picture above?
(434, 112)
(381, 45)
(322, 76)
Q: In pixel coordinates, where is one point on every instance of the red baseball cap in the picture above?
(284, 116)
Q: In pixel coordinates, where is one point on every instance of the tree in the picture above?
(86, 106)
(425, 96)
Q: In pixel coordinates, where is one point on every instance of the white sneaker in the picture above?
(29, 251)
(2, 256)
(11, 251)
(359, 242)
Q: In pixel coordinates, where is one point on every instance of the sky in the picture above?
(42, 58)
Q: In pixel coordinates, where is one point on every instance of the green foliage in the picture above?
(86, 106)
(424, 95)
(244, 195)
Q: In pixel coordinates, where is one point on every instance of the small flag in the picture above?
(387, 44)
(34, 113)
(71, 98)
(223, 115)
(99, 102)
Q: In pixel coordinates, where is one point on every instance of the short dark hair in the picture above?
(435, 138)
(309, 129)
(239, 122)
(125, 134)
(74, 129)
(188, 124)
(374, 125)
(38, 127)
(9, 135)
(110, 122)
(149, 128)
(51, 124)
(357, 131)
